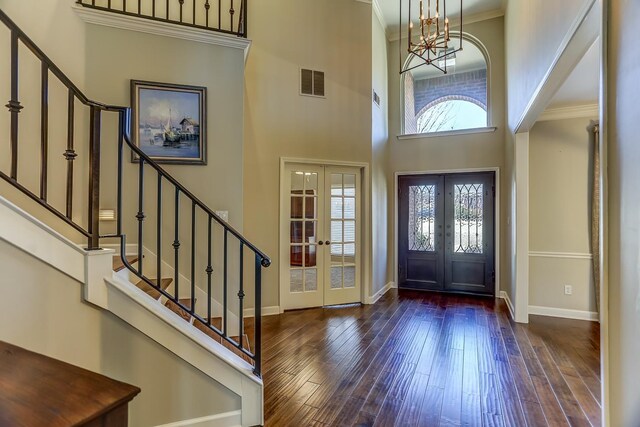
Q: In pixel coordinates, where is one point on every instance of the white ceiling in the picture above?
(583, 84)
(391, 10)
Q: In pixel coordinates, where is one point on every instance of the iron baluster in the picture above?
(44, 129)
(224, 285)
(14, 105)
(176, 242)
(140, 214)
(209, 271)
(70, 153)
(181, 4)
(193, 257)
(159, 233)
(241, 296)
(257, 319)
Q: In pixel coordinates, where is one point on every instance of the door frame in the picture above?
(497, 225)
(365, 229)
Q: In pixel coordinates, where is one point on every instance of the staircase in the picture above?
(177, 259)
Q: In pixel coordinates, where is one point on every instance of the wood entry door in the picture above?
(320, 236)
(446, 232)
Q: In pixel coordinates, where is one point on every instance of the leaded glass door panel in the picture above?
(469, 233)
(420, 252)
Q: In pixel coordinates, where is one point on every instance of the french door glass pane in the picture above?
(422, 211)
(343, 230)
(303, 232)
(468, 200)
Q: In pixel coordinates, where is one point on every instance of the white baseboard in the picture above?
(266, 311)
(505, 297)
(564, 313)
(375, 297)
(227, 419)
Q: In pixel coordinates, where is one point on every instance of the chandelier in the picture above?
(431, 42)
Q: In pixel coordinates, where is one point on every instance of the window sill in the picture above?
(447, 133)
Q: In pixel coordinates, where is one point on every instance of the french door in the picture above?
(320, 236)
(446, 232)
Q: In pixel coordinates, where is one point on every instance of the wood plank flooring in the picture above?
(426, 359)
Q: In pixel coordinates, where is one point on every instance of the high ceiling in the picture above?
(391, 10)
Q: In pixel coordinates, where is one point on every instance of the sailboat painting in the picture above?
(168, 122)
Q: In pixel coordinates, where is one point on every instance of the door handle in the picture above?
(321, 243)
(327, 243)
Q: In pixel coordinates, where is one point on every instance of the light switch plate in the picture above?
(224, 215)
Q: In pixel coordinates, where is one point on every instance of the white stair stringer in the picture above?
(183, 339)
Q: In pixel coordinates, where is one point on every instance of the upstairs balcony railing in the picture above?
(223, 16)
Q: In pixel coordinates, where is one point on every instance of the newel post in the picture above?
(94, 180)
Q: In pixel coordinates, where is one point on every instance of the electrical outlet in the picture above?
(568, 290)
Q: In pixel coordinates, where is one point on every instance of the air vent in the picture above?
(311, 82)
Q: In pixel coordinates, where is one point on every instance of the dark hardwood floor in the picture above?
(425, 359)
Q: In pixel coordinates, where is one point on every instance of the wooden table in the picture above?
(36, 390)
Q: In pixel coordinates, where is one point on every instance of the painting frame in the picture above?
(172, 137)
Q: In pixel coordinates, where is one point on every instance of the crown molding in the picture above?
(570, 112)
(142, 25)
(469, 19)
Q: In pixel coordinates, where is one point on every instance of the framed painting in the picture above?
(169, 122)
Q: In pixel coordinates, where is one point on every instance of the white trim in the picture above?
(469, 19)
(570, 112)
(226, 419)
(497, 213)
(564, 312)
(566, 255)
(266, 311)
(521, 227)
(505, 296)
(375, 297)
(168, 329)
(167, 29)
(472, 131)
(22, 230)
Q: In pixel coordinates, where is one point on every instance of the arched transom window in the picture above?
(437, 102)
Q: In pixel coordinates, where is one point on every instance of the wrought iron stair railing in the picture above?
(235, 247)
(223, 16)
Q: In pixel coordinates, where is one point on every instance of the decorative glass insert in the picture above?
(422, 218)
(468, 200)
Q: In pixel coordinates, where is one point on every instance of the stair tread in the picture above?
(178, 310)
(119, 265)
(217, 338)
(153, 292)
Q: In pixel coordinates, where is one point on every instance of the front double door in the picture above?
(446, 232)
(320, 236)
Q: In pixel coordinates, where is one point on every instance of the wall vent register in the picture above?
(311, 82)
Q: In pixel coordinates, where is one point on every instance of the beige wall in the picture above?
(560, 185)
(48, 315)
(529, 25)
(624, 201)
(281, 123)
(482, 150)
(381, 203)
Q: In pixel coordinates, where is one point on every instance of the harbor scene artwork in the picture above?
(169, 121)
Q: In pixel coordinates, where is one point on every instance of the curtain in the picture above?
(595, 214)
